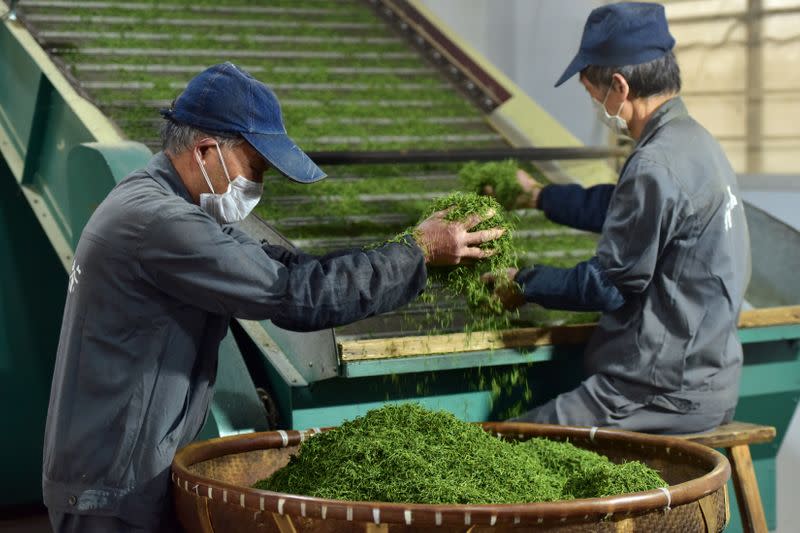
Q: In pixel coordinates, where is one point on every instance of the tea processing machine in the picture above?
(390, 103)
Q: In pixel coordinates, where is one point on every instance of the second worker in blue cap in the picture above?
(673, 259)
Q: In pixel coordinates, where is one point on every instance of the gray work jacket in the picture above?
(154, 284)
(675, 244)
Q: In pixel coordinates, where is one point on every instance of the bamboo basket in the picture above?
(212, 479)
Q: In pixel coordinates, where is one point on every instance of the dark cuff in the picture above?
(545, 196)
(581, 288)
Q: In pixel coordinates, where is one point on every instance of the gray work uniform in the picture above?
(675, 244)
(153, 287)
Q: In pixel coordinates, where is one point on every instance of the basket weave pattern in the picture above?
(212, 479)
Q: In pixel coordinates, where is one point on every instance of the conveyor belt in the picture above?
(346, 81)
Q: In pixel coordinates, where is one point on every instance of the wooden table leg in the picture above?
(747, 494)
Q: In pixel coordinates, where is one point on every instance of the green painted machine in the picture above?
(82, 83)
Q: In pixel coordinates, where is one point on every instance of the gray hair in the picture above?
(656, 77)
(177, 138)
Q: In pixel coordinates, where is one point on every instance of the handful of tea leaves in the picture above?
(406, 453)
(465, 279)
(501, 176)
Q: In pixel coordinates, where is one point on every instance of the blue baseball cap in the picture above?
(225, 99)
(617, 35)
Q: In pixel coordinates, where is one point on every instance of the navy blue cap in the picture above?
(617, 35)
(225, 99)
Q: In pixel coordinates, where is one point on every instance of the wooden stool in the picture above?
(736, 438)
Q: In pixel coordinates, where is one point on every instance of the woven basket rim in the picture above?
(624, 504)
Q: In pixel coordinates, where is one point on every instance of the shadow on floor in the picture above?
(25, 519)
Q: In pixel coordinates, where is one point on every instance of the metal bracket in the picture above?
(11, 14)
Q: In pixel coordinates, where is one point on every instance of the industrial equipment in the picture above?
(81, 86)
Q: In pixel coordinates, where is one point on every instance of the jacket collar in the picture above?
(669, 111)
(161, 169)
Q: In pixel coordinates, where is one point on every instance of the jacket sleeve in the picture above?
(576, 207)
(188, 256)
(280, 253)
(582, 288)
(290, 257)
(643, 217)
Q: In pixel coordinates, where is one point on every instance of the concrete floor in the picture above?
(31, 519)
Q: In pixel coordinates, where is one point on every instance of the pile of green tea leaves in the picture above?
(501, 176)
(408, 454)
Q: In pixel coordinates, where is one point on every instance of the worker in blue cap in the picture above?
(159, 272)
(673, 259)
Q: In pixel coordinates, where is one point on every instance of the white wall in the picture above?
(747, 96)
(532, 42)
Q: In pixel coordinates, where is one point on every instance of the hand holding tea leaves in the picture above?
(529, 195)
(511, 186)
(449, 242)
(505, 289)
(469, 234)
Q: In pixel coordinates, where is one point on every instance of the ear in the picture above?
(204, 145)
(620, 85)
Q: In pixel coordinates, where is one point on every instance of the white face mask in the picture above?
(615, 122)
(234, 204)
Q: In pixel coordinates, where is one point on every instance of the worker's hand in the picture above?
(505, 288)
(448, 242)
(530, 191)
